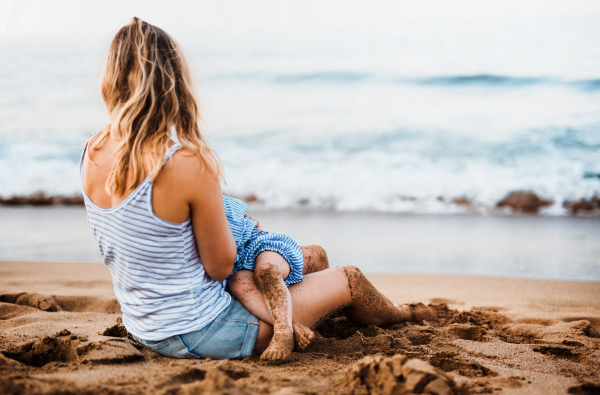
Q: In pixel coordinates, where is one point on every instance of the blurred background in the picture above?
(390, 129)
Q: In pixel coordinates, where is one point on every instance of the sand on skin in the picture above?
(498, 336)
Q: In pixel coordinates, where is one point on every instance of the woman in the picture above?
(151, 186)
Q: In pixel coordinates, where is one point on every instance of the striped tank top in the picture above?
(157, 275)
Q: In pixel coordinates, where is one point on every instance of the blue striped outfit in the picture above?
(250, 243)
(158, 278)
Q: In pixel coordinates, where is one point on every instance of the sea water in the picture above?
(390, 119)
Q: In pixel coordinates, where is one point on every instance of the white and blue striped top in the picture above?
(158, 278)
(242, 228)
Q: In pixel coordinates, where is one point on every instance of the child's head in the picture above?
(148, 88)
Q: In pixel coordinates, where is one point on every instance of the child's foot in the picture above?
(302, 335)
(280, 347)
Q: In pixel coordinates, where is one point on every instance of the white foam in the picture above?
(378, 143)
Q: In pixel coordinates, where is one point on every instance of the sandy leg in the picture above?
(371, 307)
(270, 283)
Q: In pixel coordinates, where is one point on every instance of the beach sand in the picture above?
(498, 335)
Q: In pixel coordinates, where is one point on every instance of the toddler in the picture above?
(270, 279)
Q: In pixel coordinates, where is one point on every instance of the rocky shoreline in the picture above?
(520, 202)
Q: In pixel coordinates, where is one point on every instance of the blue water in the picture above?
(401, 119)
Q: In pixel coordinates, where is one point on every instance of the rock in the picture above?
(524, 202)
(40, 199)
(584, 205)
(252, 199)
(462, 201)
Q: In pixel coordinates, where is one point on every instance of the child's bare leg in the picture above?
(243, 286)
(270, 270)
(268, 276)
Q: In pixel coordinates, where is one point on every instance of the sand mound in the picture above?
(60, 347)
(117, 330)
(38, 301)
(9, 311)
(396, 375)
(65, 347)
(211, 381)
(54, 303)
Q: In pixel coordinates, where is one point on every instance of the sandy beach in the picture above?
(450, 151)
(61, 334)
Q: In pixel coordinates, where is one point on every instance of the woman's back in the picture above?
(158, 278)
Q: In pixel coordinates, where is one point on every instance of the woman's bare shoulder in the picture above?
(187, 163)
(188, 172)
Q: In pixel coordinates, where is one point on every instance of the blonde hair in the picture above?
(148, 88)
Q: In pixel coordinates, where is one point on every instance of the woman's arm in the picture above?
(200, 191)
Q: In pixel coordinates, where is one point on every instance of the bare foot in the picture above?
(280, 347)
(302, 335)
(406, 313)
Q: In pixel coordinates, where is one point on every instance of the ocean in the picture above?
(401, 119)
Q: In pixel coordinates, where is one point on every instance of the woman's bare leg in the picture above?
(324, 292)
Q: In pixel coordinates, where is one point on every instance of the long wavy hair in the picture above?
(148, 89)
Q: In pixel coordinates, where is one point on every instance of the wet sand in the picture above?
(522, 246)
(498, 335)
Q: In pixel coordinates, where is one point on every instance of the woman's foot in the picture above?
(280, 347)
(302, 335)
(420, 312)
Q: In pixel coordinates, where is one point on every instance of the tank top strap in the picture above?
(85, 148)
(170, 151)
(174, 147)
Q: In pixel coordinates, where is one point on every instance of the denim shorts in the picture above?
(231, 335)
